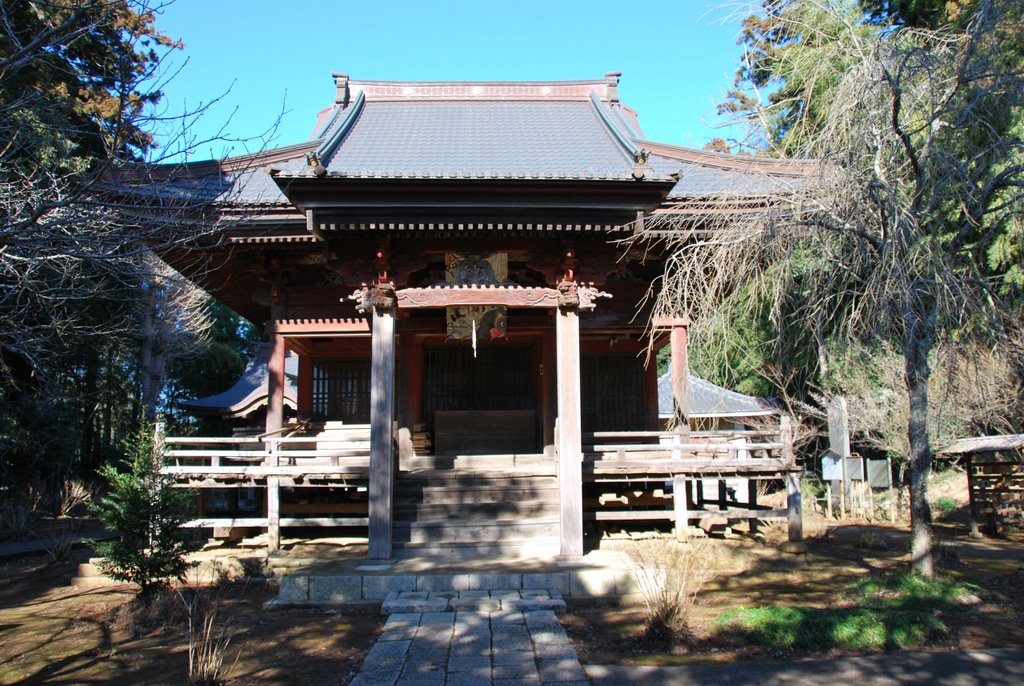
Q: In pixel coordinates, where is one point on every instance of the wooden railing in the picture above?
(338, 451)
(336, 456)
(667, 475)
(695, 452)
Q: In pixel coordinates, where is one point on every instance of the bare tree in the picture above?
(83, 197)
(920, 179)
(175, 322)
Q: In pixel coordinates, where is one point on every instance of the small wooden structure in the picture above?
(995, 478)
(445, 259)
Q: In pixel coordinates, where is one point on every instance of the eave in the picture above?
(345, 199)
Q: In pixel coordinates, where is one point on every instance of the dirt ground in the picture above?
(752, 573)
(53, 633)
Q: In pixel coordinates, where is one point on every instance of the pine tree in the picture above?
(148, 511)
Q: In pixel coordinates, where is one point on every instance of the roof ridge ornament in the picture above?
(611, 82)
(342, 93)
(640, 167)
(314, 163)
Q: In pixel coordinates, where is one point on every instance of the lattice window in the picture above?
(501, 377)
(613, 392)
(341, 390)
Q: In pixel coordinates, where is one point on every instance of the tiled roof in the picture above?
(489, 139)
(572, 130)
(701, 181)
(250, 391)
(984, 444)
(236, 180)
(709, 400)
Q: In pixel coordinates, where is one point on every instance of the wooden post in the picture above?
(382, 462)
(274, 421)
(681, 374)
(680, 506)
(839, 443)
(273, 499)
(796, 519)
(971, 499)
(570, 457)
(752, 503)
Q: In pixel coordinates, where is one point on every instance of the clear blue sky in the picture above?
(677, 57)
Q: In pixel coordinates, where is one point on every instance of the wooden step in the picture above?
(475, 511)
(535, 462)
(494, 531)
(473, 480)
(472, 497)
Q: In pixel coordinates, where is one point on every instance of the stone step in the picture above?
(441, 550)
(94, 582)
(286, 564)
(89, 569)
(361, 589)
(473, 601)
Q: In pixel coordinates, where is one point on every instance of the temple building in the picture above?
(448, 264)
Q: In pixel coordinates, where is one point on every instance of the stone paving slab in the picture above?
(514, 601)
(503, 648)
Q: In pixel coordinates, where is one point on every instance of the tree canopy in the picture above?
(904, 239)
(91, 319)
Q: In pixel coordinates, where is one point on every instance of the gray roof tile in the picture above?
(709, 400)
(491, 139)
(250, 390)
(697, 180)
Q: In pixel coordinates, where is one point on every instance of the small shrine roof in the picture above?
(249, 392)
(710, 400)
(984, 444)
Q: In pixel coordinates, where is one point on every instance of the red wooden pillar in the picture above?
(275, 383)
(570, 457)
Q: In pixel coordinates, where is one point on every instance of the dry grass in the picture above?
(672, 574)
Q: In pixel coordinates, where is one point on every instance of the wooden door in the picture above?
(480, 405)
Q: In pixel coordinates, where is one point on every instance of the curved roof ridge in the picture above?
(629, 150)
(236, 163)
(732, 161)
(332, 139)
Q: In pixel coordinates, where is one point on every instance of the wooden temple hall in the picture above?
(441, 267)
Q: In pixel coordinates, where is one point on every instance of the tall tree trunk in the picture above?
(916, 346)
(152, 362)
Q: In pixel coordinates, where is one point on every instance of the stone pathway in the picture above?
(472, 648)
(476, 601)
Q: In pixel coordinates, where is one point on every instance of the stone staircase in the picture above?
(476, 506)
